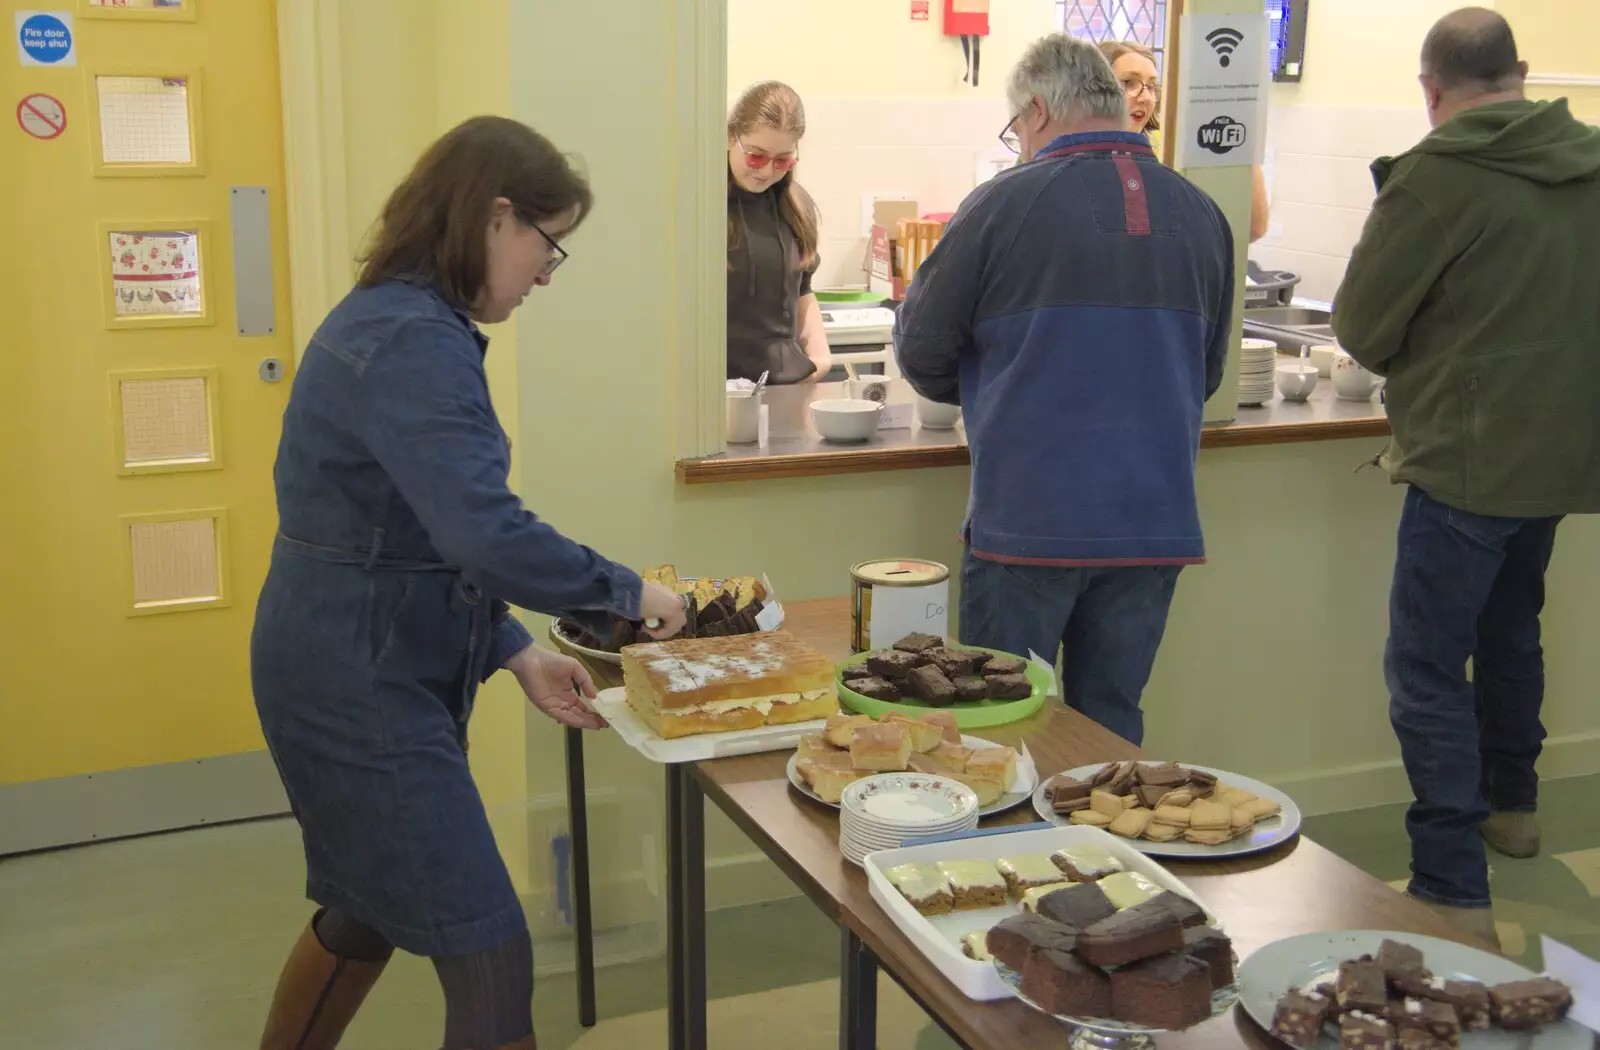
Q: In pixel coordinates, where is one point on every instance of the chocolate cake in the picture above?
(1359, 1030)
(1129, 936)
(856, 672)
(917, 642)
(1299, 1017)
(1188, 912)
(1013, 938)
(1009, 687)
(1520, 1005)
(1437, 1019)
(874, 688)
(1060, 983)
(1079, 906)
(956, 663)
(1004, 665)
(971, 687)
(1171, 992)
(930, 684)
(1213, 948)
(892, 664)
(1361, 986)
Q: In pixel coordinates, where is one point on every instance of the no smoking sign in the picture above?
(42, 116)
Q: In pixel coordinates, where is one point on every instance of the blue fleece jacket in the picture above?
(1079, 310)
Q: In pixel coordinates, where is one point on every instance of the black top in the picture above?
(765, 285)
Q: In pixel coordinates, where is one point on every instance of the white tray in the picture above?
(939, 937)
(613, 707)
(1021, 791)
(1267, 833)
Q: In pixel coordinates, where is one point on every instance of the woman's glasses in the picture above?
(558, 254)
(1133, 87)
(757, 161)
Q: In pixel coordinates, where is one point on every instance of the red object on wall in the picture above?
(966, 17)
(919, 10)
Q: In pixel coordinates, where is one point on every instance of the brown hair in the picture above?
(1115, 49)
(776, 105)
(432, 226)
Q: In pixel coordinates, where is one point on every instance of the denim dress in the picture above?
(399, 546)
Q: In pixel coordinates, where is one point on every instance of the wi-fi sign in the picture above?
(1224, 42)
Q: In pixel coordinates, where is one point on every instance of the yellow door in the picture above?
(145, 288)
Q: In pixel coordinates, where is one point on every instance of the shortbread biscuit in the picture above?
(1156, 832)
(1174, 815)
(1131, 824)
(1181, 797)
(1208, 838)
(1089, 816)
(1240, 821)
(1261, 808)
(1209, 816)
(1111, 805)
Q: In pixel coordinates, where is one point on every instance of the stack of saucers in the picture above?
(896, 809)
(1258, 362)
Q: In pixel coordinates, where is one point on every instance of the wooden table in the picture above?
(1298, 888)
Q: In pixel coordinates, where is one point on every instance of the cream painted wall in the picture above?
(1559, 37)
(1364, 53)
(873, 49)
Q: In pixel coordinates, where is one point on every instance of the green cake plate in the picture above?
(970, 714)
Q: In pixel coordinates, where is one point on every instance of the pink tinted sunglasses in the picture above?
(757, 161)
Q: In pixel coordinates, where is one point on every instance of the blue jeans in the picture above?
(1466, 587)
(1107, 622)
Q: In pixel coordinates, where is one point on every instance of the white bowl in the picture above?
(935, 416)
(841, 419)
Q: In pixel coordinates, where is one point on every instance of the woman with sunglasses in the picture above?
(774, 322)
(399, 546)
(1135, 66)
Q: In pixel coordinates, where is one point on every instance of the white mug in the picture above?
(1353, 382)
(869, 388)
(744, 419)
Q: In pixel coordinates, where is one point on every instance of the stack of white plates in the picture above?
(1258, 362)
(895, 809)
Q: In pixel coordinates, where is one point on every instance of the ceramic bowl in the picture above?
(841, 419)
(934, 416)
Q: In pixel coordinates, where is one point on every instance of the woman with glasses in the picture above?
(774, 322)
(1135, 66)
(399, 546)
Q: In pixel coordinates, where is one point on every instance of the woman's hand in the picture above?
(662, 603)
(556, 685)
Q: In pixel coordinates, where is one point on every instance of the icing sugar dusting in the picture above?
(688, 674)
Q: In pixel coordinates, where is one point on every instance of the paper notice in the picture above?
(1050, 672)
(1578, 972)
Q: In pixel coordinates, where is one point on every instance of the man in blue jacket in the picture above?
(1079, 310)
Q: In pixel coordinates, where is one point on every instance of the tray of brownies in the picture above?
(922, 672)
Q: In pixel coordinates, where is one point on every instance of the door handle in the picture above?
(271, 370)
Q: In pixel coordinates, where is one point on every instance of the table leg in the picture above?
(858, 994)
(583, 918)
(686, 911)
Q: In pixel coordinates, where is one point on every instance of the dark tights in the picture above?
(488, 995)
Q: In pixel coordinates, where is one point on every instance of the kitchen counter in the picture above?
(1323, 418)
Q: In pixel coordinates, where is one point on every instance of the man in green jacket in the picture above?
(1476, 290)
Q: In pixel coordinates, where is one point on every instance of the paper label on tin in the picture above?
(1049, 670)
(899, 611)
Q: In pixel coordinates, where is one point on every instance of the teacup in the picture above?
(1353, 382)
(1296, 381)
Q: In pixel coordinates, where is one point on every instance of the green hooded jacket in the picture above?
(1475, 289)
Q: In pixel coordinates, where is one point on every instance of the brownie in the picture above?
(876, 688)
(1009, 687)
(1519, 1005)
(1402, 966)
(930, 684)
(1062, 984)
(1005, 665)
(1079, 906)
(917, 642)
(1188, 912)
(1171, 992)
(1013, 938)
(1470, 999)
(1359, 1030)
(856, 672)
(1299, 1017)
(1213, 948)
(1361, 986)
(1129, 936)
(892, 664)
(971, 687)
(1437, 1019)
(956, 663)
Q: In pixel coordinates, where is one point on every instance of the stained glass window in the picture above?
(1142, 21)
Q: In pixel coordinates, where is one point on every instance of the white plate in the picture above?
(613, 707)
(908, 803)
(1267, 834)
(565, 641)
(1296, 962)
(1021, 791)
(939, 937)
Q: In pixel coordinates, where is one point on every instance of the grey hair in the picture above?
(1071, 76)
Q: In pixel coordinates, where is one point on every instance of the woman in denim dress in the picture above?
(400, 545)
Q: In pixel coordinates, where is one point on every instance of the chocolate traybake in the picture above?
(1129, 936)
(1078, 906)
(1172, 992)
(1013, 938)
(1299, 1017)
(1065, 985)
(1009, 687)
(917, 642)
(930, 684)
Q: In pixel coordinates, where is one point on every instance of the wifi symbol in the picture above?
(1224, 42)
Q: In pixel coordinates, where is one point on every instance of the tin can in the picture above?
(893, 597)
